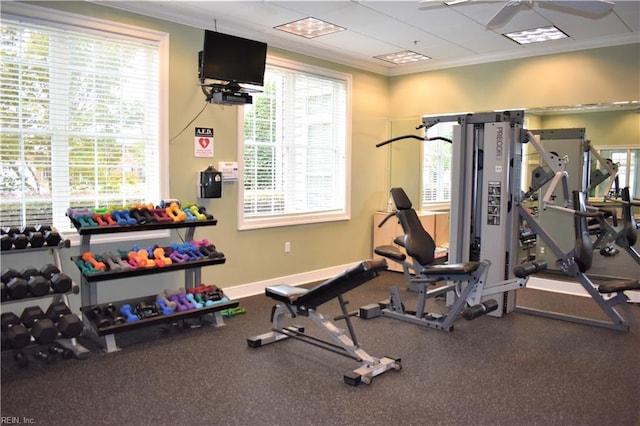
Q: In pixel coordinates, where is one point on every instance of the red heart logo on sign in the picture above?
(204, 142)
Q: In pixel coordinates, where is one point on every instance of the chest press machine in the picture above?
(297, 302)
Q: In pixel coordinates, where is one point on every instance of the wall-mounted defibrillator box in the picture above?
(210, 183)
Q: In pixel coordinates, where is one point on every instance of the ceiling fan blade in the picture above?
(593, 8)
(507, 12)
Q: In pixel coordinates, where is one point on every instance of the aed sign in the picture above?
(203, 142)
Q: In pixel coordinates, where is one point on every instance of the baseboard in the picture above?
(252, 289)
(568, 287)
(255, 288)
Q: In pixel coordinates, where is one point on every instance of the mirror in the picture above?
(607, 126)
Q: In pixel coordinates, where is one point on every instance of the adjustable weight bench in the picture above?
(301, 302)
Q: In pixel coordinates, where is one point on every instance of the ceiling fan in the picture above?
(592, 9)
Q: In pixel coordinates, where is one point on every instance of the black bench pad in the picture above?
(392, 252)
(351, 278)
(621, 285)
(452, 269)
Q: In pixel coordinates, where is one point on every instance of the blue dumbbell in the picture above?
(126, 311)
(166, 310)
(191, 299)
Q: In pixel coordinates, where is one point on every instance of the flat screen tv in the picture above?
(232, 59)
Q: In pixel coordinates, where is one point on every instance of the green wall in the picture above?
(381, 106)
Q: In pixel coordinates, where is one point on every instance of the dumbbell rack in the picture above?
(78, 350)
(89, 294)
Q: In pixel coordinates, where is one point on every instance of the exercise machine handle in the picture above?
(386, 218)
(378, 145)
(435, 138)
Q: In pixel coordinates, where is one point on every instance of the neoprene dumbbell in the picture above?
(128, 313)
(203, 211)
(16, 334)
(59, 281)
(193, 301)
(166, 310)
(98, 266)
(42, 328)
(69, 325)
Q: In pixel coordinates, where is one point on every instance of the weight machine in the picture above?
(486, 213)
(484, 226)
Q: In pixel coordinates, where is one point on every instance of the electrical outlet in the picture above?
(287, 247)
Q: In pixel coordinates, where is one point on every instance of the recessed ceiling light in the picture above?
(309, 28)
(536, 35)
(404, 57)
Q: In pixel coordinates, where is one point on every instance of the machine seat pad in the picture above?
(392, 252)
(451, 269)
(339, 284)
(619, 285)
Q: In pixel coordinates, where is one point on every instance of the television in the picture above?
(232, 59)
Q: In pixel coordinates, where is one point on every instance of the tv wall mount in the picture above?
(230, 93)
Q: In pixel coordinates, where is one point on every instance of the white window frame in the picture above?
(42, 15)
(439, 204)
(297, 219)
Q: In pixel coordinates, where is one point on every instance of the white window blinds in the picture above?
(295, 149)
(436, 165)
(79, 118)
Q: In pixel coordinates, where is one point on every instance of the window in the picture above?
(628, 160)
(79, 116)
(436, 165)
(295, 149)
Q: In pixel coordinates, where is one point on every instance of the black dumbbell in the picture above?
(21, 359)
(36, 239)
(7, 243)
(36, 283)
(9, 274)
(15, 333)
(44, 357)
(42, 328)
(112, 313)
(58, 349)
(98, 318)
(51, 237)
(69, 325)
(18, 288)
(18, 239)
(59, 281)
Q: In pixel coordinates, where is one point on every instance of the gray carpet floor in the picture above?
(514, 370)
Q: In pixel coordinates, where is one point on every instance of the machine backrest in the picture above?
(416, 240)
(628, 220)
(348, 280)
(583, 249)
